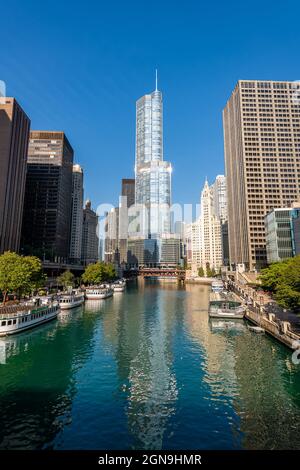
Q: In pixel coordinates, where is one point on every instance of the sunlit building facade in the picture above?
(111, 245)
(204, 235)
(152, 173)
(150, 219)
(261, 123)
(211, 235)
(219, 190)
(220, 197)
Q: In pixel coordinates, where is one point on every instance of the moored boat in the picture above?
(96, 293)
(119, 286)
(217, 285)
(17, 318)
(256, 329)
(71, 299)
(221, 306)
(222, 324)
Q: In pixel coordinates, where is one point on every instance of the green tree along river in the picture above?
(146, 369)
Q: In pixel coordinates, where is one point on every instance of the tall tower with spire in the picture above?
(152, 173)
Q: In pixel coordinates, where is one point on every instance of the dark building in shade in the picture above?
(225, 243)
(296, 231)
(127, 200)
(90, 240)
(14, 136)
(128, 190)
(48, 196)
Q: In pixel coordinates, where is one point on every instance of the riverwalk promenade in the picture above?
(264, 312)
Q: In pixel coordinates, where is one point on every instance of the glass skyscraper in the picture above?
(150, 238)
(152, 173)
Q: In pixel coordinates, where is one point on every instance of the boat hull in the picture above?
(18, 328)
(223, 315)
(227, 324)
(119, 289)
(67, 306)
(98, 296)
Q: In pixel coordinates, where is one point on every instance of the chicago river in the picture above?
(147, 370)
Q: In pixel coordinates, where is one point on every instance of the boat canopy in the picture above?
(218, 299)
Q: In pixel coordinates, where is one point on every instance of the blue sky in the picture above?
(79, 66)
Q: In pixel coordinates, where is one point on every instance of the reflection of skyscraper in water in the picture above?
(250, 375)
(219, 372)
(269, 409)
(143, 345)
(153, 388)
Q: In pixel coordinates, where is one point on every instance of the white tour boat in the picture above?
(17, 318)
(71, 299)
(217, 286)
(119, 286)
(222, 324)
(96, 293)
(221, 306)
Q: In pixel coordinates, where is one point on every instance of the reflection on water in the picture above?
(147, 369)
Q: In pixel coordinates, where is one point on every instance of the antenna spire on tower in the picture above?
(155, 79)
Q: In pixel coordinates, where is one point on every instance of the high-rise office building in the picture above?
(77, 214)
(169, 249)
(14, 137)
(210, 232)
(142, 252)
(180, 229)
(127, 200)
(219, 191)
(225, 243)
(195, 250)
(282, 239)
(90, 240)
(152, 186)
(296, 231)
(111, 245)
(262, 157)
(152, 173)
(205, 235)
(48, 196)
(128, 190)
(220, 197)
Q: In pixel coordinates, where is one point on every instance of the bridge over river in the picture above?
(167, 273)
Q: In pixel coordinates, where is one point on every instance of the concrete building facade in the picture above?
(111, 244)
(14, 138)
(210, 231)
(282, 237)
(48, 196)
(77, 214)
(219, 190)
(128, 191)
(90, 239)
(261, 123)
(220, 197)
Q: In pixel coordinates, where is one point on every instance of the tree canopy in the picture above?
(99, 272)
(66, 279)
(210, 272)
(201, 272)
(19, 274)
(283, 280)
